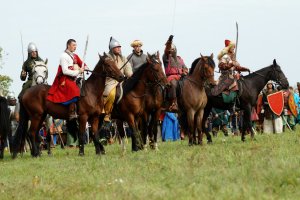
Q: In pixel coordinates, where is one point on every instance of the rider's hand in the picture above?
(170, 38)
(23, 73)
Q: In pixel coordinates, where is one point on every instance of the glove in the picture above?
(171, 38)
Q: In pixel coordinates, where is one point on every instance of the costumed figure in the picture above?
(290, 109)
(110, 83)
(137, 57)
(272, 122)
(64, 89)
(220, 119)
(28, 65)
(228, 66)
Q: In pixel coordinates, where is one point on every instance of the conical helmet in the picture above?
(11, 96)
(31, 47)
(113, 43)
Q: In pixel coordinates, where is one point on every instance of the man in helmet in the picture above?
(28, 65)
(174, 68)
(110, 84)
(137, 57)
(14, 111)
(64, 89)
(228, 65)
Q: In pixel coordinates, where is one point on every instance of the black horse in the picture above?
(249, 89)
(5, 128)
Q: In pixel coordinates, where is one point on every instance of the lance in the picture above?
(22, 45)
(82, 65)
(237, 39)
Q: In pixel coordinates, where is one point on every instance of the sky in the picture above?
(268, 29)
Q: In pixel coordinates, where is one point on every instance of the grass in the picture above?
(267, 168)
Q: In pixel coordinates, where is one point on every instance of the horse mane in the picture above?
(251, 75)
(195, 62)
(130, 83)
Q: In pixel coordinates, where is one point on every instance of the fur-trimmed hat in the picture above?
(136, 43)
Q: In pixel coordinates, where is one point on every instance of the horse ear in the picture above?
(148, 58)
(157, 54)
(212, 56)
(46, 61)
(274, 62)
(201, 56)
(104, 54)
(99, 55)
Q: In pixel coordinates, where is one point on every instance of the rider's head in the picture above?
(230, 46)
(11, 99)
(137, 46)
(114, 46)
(71, 45)
(32, 50)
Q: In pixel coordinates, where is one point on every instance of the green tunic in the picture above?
(27, 67)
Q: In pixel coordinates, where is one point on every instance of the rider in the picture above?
(174, 68)
(228, 65)
(64, 89)
(110, 83)
(137, 57)
(14, 111)
(28, 65)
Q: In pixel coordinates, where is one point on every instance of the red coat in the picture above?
(64, 87)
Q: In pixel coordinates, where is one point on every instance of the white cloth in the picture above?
(66, 61)
(268, 125)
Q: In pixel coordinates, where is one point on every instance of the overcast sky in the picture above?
(268, 29)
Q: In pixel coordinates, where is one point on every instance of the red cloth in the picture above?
(64, 87)
(174, 70)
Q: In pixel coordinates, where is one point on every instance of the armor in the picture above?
(113, 43)
(31, 47)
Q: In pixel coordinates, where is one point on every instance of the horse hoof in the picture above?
(209, 142)
(81, 154)
(102, 152)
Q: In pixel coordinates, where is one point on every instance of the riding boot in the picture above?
(72, 111)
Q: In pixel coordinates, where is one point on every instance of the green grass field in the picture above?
(267, 168)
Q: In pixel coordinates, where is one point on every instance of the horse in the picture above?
(35, 107)
(40, 73)
(5, 128)
(136, 91)
(249, 89)
(192, 99)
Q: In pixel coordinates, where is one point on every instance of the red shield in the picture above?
(276, 102)
(292, 105)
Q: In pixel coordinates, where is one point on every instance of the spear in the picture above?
(22, 46)
(82, 65)
(237, 39)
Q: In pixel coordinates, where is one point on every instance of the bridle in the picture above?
(40, 76)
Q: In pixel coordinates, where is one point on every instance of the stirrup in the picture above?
(73, 116)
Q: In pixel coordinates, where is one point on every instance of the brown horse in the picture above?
(137, 90)
(35, 107)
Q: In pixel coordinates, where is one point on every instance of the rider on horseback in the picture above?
(137, 58)
(174, 68)
(28, 66)
(64, 89)
(228, 66)
(110, 83)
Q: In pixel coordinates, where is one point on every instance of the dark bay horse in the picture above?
(35, 107)
(137, 91)
(5, 128)
(249, 89)
(191, 86)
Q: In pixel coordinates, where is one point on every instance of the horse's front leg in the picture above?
(191, 126)
(137, 141)
(1, 147)
(205, 124)
(96, 136)
(199, 119)
(81, 136)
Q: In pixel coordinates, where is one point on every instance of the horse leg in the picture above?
(191, 130)
(205, 125)
(96, 136)
(49, 123)
(121, 132)
(199, 119)
(2, 147)
(33, 130)
(81, 136)
(137, 142)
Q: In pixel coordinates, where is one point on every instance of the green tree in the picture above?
(5, 81)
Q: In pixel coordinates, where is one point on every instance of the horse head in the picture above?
(278, 76)
(40, 72)
(157, 73)
(207, 67)
(110, 69)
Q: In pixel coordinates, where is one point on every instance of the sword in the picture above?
(237, 39)
(82, 65)
(22, 46)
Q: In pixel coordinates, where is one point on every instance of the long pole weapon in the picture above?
(82, 65)
(237, 39)
(22, 46)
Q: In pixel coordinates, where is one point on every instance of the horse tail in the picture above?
(20, 135)
(73, 129)
(5, 127)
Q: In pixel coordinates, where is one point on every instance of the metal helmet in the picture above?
(113, 43)
(11, 96)
(31, 47)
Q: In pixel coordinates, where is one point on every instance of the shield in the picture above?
(276, 102)
(292, 105)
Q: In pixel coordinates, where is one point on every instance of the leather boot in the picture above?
(172, 97)
(72, 111)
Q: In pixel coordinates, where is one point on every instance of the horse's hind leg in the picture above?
(33, 130)
(199, 119)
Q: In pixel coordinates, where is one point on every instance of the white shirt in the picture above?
(65, 62)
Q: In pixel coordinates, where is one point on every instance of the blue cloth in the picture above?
(170, 129)
(297, 101)
(75, 99)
